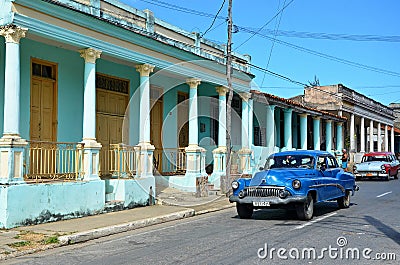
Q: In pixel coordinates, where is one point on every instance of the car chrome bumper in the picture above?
(270, 200)
(370, 174)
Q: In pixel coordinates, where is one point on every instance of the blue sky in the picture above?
(378, 19)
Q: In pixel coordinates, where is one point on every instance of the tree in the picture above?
(315, 82)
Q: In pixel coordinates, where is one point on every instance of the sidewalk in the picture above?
(171, 205)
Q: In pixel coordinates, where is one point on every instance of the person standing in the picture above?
(345, 158)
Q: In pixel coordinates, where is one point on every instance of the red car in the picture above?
(377, 164)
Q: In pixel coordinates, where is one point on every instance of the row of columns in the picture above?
(371, 135)
(272, 130)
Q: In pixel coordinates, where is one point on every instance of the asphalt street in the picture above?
(366, 233)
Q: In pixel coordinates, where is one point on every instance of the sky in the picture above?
(352, 42)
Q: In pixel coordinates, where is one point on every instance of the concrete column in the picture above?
(146, 150)
(339, 136)
(362, 135)
(91, 147)
(245, 152)
(144, 101)
(193, 110)
(222, 116)
(278, 127)
(303, 131)
(379, 137)
(245, 119)
(392, 140)
(250, 132)
(386, 139)
(12, 147)
(219, 154)
(270, 129)
(287, 133)
(371, 135)
(328, 129)
(316, 133)
(12, 34)
(352, 139)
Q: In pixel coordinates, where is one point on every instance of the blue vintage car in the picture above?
(294, 178)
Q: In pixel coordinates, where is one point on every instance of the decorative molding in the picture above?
(245, 96)
(144, 69)
(222, 90)
(12, 33)
(193, 82)
(90, 55)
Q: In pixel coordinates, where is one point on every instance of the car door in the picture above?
(334, 191)
(325, 179)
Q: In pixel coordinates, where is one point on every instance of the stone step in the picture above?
(113, 206)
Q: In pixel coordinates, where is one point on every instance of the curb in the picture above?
(215, 209)
(106, 231)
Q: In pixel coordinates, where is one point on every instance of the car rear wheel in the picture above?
(305, 210)
(245, 211)
(344, 202)
(396, 176)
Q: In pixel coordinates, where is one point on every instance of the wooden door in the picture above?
(43, 124)
(156, 121)
(183, 119)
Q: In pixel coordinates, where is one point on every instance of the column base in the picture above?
(219, 166)
(245, 160)
(145, 156)
(12, 154)
(91, 159)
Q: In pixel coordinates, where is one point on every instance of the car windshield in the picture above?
(289, 161)
(374, 158)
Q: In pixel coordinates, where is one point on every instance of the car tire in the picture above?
(387, 178)
(305, 210)
(396, 176)
(344, 202)
(245, 211)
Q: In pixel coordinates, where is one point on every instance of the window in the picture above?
(332, 162)
(43, 70)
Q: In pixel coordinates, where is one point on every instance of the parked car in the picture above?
(377, 164)
(294, 179)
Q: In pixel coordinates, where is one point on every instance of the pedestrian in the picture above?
(345, 158)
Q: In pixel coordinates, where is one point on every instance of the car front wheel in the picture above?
(245, 211)
(305, 210)
(344, 202)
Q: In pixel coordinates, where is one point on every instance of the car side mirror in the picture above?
(261, 168)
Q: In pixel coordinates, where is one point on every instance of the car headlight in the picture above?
(382, 167)
(235, 185)
(354, 168)
(296, 184)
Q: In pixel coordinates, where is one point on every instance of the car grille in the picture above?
(263, 191)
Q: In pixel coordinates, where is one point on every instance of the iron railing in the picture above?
(119, 160)
(54, 161)
(174, 161)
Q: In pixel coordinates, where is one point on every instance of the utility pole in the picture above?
(226, 180)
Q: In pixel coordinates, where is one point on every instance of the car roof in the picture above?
(303, 152)
(378, 154)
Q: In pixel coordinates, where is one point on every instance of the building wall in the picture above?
(2, 73)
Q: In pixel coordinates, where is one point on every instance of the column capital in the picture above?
(339, 124)
(272, 107)
(288, 110)
(12, 33)
(328, 121)
(245, 96)
(144, 69)
(222, 90)
(193, 82)
(316, 117)
(303, 115)
(90, 55)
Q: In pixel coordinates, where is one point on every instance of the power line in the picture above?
(269, 21)
(273, 43)
(222, 5)
(181, 9)
(326, 56)
(325, 36)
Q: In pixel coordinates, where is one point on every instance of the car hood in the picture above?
(279, 177)
(376, 165)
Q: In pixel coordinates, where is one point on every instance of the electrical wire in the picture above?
(266, 24)
(215, 17)
(326, 56)
(325, 36)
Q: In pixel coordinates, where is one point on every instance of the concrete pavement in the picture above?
(171, 205)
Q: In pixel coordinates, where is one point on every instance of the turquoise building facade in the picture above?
(103, 103)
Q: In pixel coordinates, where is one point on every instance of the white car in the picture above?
(377, 165)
